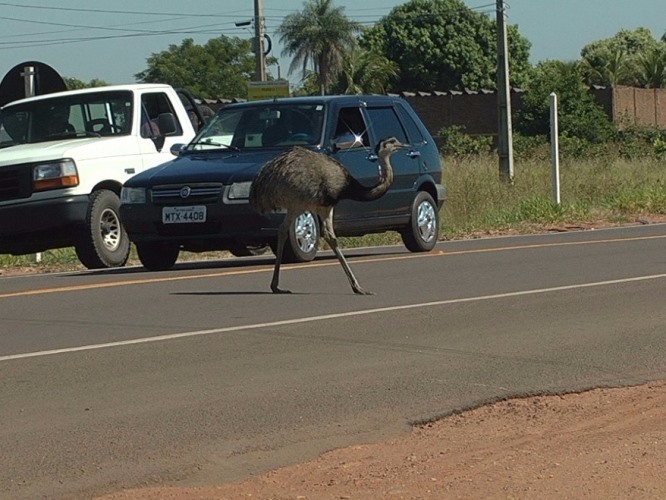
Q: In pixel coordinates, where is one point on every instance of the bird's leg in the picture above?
(332, 240)
(283, 233)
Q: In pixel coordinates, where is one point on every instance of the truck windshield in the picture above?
(262, 126)
(92, 114)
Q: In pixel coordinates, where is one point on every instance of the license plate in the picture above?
(183, 215)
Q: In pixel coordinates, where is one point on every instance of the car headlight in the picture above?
(240, 190)
(131, 195)
(54, 175)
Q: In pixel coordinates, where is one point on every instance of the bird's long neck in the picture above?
(362, 193)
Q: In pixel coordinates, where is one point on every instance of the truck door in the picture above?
(159, 128)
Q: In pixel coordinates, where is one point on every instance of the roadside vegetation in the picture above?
(619, 182)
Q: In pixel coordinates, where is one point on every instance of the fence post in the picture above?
(554, 148)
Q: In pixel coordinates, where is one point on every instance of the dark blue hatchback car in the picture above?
(199, 201)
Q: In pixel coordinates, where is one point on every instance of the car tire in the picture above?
(422, 232)
(104, 242)
(157, 255)
(303, 241)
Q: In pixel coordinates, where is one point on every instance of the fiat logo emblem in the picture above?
(185, 191)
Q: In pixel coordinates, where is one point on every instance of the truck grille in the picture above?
(186, 194)
(15, 182)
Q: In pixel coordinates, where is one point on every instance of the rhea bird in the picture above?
(299, 180)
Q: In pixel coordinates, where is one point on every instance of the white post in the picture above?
(29, 80)
(554, 148)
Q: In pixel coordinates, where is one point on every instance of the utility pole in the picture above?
(504, 136)
(29, 85)
(260, 68)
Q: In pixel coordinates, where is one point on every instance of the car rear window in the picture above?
(385, 123)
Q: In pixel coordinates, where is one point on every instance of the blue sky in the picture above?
(82, 39)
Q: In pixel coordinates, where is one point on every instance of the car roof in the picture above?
(325, 99)
(92, 90)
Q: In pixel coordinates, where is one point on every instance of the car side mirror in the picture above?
(175, 149)
(347, 141)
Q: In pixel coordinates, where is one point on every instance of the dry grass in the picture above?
(594, 192)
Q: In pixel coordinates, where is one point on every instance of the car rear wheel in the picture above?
(157, 255)
(104, 242)
(303, 241)
(422, 232)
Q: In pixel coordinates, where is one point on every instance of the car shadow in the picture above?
(249, 292)
(229, 263)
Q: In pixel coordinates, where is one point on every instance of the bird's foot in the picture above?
(359, 291)
(279, 290)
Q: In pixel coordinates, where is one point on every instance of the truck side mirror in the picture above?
(167, 123)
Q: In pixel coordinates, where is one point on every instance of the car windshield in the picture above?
(262, 126)
(81, 115)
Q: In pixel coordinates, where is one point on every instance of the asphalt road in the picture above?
(125, 378)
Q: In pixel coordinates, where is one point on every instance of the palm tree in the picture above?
(609, 67)
(366, 72)
(652, 69)
(319, 35)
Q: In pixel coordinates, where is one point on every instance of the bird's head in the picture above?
(389, 145)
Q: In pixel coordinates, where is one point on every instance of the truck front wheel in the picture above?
(104, 242)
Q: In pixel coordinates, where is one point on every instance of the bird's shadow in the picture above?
(250, 292)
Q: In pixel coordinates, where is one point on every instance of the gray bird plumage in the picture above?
(300, 180)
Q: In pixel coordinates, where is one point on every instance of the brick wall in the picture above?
(477, 111)
(636, 106)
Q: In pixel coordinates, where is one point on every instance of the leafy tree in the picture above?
(444, 45)
(219, 69)
(365, 72)
(320, 35)
(579, 115)
(617, 60)
(75, 84)
(652, 68)
(309, 85)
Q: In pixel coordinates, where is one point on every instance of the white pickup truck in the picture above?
(64, 157)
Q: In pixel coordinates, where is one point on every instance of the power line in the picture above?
(82, 26)
(124, 12)
(209, 29)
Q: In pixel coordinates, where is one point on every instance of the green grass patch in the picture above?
(594, 189)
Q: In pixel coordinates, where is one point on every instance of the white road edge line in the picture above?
(273, 324)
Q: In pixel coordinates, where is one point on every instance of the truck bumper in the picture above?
(35, 226)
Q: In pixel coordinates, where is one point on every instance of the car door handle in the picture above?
(373, 157)
(414, 154)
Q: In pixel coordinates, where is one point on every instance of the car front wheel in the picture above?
(157, 255)
(303, 241)
(241, 250)
(422, 232)
(104, 242)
